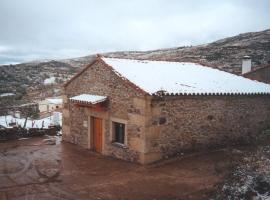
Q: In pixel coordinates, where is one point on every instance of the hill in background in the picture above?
(28, 80)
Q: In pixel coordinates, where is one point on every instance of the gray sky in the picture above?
(38, 29)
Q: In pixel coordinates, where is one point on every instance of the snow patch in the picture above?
(50, 80)
(6, 94)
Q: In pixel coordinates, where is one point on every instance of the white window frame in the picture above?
(112, 137)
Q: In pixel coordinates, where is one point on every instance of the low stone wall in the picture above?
(188, 123)
(16, 133)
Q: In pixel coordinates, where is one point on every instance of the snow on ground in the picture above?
(50, 80)
(250, 178)
(5, 120)
(180, 77)
(6, 94)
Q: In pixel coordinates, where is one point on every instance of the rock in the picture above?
(50, 141)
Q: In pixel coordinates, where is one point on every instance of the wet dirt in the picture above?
(32, 169)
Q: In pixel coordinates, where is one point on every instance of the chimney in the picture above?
(246, 64)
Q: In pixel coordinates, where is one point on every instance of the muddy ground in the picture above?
(32, 169)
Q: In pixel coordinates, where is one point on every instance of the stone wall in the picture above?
(187, 123)
(125, 103)
(262, 75)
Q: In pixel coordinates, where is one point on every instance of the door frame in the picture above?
(91, 142)
(104, 116)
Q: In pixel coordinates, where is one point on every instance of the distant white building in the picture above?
(50, 104)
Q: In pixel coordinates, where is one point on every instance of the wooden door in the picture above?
(97, 134)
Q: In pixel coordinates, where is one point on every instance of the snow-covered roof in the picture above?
(88, 98)
(55, 100)
(183, 78)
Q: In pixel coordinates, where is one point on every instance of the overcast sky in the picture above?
(39, 29)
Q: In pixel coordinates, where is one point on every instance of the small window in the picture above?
(119, 132)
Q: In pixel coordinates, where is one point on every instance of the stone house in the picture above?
(144, 111)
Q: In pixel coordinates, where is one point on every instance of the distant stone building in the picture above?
(50, 104)
(143, 111)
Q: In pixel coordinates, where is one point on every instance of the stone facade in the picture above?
(126, 104)
(262, 74)
(187, 123)
(158, 127)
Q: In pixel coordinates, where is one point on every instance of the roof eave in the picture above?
(213, 94)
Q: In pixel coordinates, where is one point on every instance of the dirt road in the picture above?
(30, 169)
